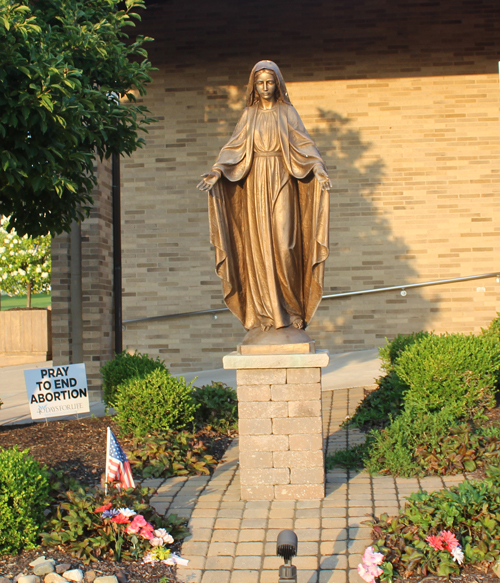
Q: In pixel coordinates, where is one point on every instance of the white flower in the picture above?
(39, 269)
(45, 275)
(148, 558)
(12, 252)
(458, 554)
(156, 542)
(21, 271)
(127, 511)
(163, 534)
(2, 249)
(176, 560)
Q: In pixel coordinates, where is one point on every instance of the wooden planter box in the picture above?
(25, 336)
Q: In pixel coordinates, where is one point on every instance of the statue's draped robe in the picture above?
(269, 220)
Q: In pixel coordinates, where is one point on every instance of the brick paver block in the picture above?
(354, 576)
(257, 493)
(190, 575)
(254, 426)
(245, 576)
(299, 491)
(262, 410)
(283, 426)
(306, 442)
(298, 459)
(308, 522)
(306, 391)
(252, 534)
(280, 523)
(250, 549)
(253, 393)
(263, 442)
(216, 577)
(221, 549)
(221, 535)
(333, 547)
(335, 576)
(304, 408)
(303, 375)
(256, 459)
(265, 476)
(219, 563)
(307, 475)
(265, 376)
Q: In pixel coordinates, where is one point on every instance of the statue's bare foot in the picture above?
(265, 327)
(299, 324)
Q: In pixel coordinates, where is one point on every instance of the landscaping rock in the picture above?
(5, 580)
(90, 576)
(28, 579)
(62, 568)
(74, 575)
(54, 578)
(121, 576)
(496, 568)
(43, 568)
(37, 561)
(106, 579)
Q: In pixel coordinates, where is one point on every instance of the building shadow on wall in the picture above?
(364, 251)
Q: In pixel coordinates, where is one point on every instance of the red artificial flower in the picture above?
(103, 508)
(436, 542)
(147, 533)
(121, 519)
(450, 541)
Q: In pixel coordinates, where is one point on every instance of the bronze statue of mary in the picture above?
(268, 209)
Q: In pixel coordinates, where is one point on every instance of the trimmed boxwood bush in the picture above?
(217, 406)
(24, 495)
(124, 367)
(156, 402)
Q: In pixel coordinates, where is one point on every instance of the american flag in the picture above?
(117, 464)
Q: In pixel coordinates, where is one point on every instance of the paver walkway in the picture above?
(233, 541)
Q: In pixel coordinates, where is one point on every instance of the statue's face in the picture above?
(265, 85)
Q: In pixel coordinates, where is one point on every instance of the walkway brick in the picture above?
(234, 541)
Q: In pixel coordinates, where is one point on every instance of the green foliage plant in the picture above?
(351, 458)
(24, 496)
(69, 77)
(25, 263)
(78, 526)
(217, 406)
(124, 367)
(177, 453)
(471, 511)
(154, 403)
(451, 381)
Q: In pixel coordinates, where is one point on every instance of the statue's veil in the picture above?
(252, 96)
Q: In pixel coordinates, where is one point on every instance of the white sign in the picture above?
(57, 391)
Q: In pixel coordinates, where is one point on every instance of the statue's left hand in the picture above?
(322, 178)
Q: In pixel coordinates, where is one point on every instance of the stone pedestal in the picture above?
(280, 425)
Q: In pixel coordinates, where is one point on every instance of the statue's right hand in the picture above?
(209, 180)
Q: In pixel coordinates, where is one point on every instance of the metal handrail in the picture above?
(329, 296)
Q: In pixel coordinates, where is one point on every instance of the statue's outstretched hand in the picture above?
(322, 178)
(209, 180)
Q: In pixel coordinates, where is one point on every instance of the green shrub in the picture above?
(24, 495)
(157, 402)
(217, 405)
(124, 367)
(452, 371)
(451, 381)
(351, 458)
(393, 349)
(78, 525)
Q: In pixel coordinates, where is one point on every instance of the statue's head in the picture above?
(266, 82)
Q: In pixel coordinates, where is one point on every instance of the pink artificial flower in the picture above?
(369, 574)
(147, 533)
(371, 558)
(163, 534)
(120, 519)
(132, 528)
(139, 520)
(156, 541)
(450, 541)
(103, 508)
(436, 542)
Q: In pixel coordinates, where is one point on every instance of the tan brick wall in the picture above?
(403, 102)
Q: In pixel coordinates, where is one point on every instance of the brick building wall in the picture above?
(403, 103)
(97, 287)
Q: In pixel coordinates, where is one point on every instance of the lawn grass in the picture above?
(37, 301)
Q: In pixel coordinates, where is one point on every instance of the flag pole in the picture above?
(108, 440)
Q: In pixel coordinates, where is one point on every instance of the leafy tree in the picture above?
(24, 263)
(68, 79)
